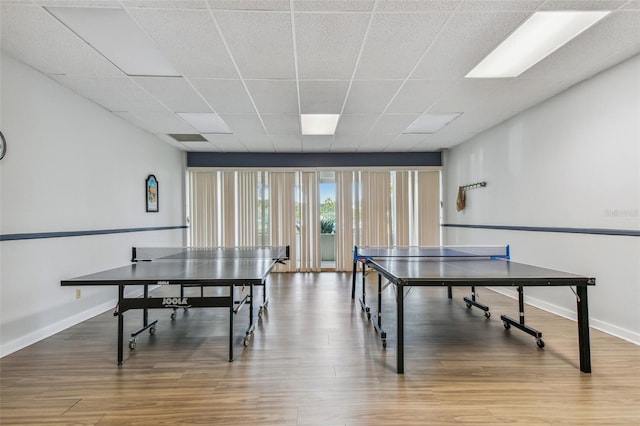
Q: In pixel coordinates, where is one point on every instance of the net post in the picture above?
(133, 254)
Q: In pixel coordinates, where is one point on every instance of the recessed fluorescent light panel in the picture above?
(205, 122)
(319, 124)
(115, 35)
(430, 123)
(541, 35)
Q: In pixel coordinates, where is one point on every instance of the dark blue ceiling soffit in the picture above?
(300, 159)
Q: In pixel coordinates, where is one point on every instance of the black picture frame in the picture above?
(151, 191)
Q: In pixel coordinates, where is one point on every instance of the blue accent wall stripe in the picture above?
(39, 235)
(591, 231)
(320, 159)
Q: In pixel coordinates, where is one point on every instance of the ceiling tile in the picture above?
(74, 3)
(157, 122)
(52, 48)
(244, 124)
(113, 93)
(395, 42)
(631, 5)
(274, 96)
(189, 39)
(259, 5)
(468, 94)
(226, 143)
(582, 4)
(404, 143)
(261, 43)
(175, 93)
(322, 97)
(257, 143)
(225, 96)
(346, 143)
(588, 53)
(166, 4)
(200, 146)
(366, 97)
(418, 95)
(328, 44)
(393, 124)
(499, 5)
(350, 125)
(316, 143)
(418, 5)
(376, 143)
(287, 143)
(464, 41)
(333, 5)
(281, 124)
(377, 63)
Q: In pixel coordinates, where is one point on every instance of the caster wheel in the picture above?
(540, 343)
(507, 325)
(468, 305)
(384, 344)
(173, 315)
(245, 342)
(369, 316)
(487, 314)
(152, 331)
(132, 344)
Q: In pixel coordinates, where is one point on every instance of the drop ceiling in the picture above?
(259, 64)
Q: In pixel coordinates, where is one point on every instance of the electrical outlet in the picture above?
(78, 294)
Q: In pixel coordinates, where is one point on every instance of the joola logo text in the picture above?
(175, 301)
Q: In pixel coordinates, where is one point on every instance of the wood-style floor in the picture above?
(316, 360)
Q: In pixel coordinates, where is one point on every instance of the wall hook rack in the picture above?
(473, 186)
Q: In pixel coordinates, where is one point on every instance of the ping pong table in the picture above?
(450, 266)
(235, 269)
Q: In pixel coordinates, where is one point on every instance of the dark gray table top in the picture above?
(182, 271)
(494, 272)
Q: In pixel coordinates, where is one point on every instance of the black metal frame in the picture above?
(145, 303)
(584, 345)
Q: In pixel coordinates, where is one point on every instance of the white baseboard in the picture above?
(50, 330)
(605, 327)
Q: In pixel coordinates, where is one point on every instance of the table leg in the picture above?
(120, 323)
(231, 314)
(145, 311)
(583, 330)
(353, 280)
(400, 328)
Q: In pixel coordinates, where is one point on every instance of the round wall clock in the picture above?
(3, 146)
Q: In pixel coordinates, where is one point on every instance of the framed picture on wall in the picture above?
(151, 191)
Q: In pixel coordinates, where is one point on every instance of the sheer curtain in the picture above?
(346, 222)
(375, 208)
(247, 202)
(282, 215)
(402, 203)
(228, 208)
(375, 205)
(427, 221)
(203, 209)
(309, 222)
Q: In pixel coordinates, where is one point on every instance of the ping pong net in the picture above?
(435, 252)
(145, 254)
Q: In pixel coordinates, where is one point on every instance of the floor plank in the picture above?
(315, 359)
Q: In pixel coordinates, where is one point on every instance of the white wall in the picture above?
(572, 161)
(72, 166)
